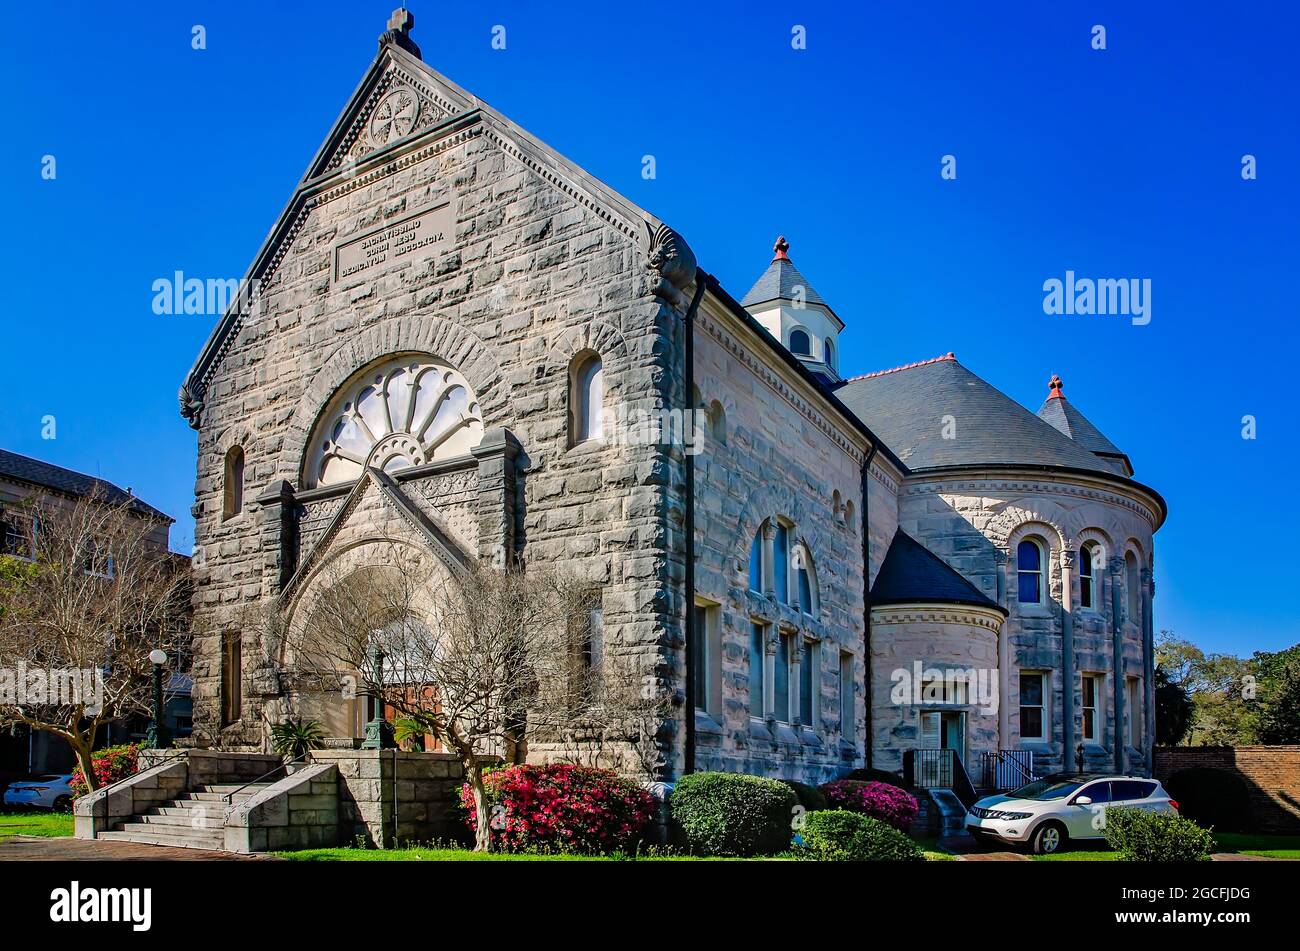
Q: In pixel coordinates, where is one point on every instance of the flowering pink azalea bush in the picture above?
(562, 808)
(110, 764)
(891, 805)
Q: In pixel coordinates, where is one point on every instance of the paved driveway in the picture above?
(32, 848)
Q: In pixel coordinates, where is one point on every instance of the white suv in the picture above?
(1051, 811)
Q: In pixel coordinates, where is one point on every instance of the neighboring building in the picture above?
(24, 483)
(453, 335)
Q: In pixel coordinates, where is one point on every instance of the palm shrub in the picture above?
(731, 814)
(294, 738)
(837, 835)
(1142, 836)
(889, 804)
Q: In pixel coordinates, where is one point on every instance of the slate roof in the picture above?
(912, 574)
(44, 474)
(906, 408)
(778, 283)
(1063, 416)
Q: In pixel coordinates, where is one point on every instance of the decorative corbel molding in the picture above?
(672, 263)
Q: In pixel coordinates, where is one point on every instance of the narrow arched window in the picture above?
(1088, 576)
(233, 483)
(799, 343)
(1132, 583)
(587, 400)
(718, 423)
(828, 353)
(756, 561)
(1029, 572)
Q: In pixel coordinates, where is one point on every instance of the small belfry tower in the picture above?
(794, 313)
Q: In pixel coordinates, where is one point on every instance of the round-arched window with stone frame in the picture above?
(406, 411)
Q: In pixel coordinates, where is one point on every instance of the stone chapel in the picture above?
(448, 329)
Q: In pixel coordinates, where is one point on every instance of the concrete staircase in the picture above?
(197, 820)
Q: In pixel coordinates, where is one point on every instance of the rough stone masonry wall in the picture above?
(776, 459)
(532, 279)
(427, 794)
(1270, 773)
(975, 524)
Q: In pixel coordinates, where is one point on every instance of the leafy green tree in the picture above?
(1173, 710)
(1279, 704)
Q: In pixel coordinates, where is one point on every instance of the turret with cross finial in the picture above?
(398, 33)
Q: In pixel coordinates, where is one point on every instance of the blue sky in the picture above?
(1117, 163)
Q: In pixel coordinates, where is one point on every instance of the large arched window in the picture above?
(407, 411)
(781, 562)
(586, 399)
(1132, 583)
(799, 343)
(1089, 562)
(1029, 571)
(828, 353)
(232, 502)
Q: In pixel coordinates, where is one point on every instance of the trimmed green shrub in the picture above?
(732, 814)
(837, 835)
(878, 776)
(1142, 836)
(810, 797)
(1212, 797)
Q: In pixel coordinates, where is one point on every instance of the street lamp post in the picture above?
(379, 733)
(157, 736)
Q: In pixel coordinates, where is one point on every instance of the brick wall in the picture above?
(1271, 773)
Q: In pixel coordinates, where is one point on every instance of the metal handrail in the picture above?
(230, 795)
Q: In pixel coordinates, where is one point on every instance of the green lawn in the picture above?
(1268, 846)
(35, 823)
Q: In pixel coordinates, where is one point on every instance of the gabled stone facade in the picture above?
(431, 228)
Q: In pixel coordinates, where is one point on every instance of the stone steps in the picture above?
(196, 820)
(183, 838)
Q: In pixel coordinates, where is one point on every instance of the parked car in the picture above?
(48, 792)
(1061, 808)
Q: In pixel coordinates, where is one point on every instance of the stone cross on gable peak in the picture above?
(398, 33)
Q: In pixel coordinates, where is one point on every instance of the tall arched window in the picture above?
(1029, 571)
(1088, 575)
(828, 353)
(756, 561)
(233, 483)
(799, 343)
(718, 423)
(1132, 584)
(587, 400)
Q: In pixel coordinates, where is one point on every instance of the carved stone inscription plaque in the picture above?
(416, 237)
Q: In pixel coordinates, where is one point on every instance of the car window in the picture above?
(1097, 792)
(1044, 789)
(1128, 789)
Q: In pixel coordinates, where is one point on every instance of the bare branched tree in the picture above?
(79, 618)
(485, 661)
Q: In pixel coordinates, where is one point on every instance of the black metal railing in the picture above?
(939, 769)
(229, 797)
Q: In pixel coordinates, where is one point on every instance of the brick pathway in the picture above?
(31, 848)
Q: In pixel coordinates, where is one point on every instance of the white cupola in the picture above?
(795, 314)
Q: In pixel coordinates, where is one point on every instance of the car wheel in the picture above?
(63, 804)
(1049, 838)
